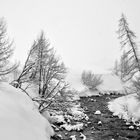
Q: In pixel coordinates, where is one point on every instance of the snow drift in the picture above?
(19, 118)
(126, 107)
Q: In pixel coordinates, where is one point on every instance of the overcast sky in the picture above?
(83, 32)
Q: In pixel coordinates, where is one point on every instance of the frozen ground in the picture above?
(19, 118)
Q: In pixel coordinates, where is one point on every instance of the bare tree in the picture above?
(6, 51)
(43, 70)
(48, 72)
(91, 80)
(128, 44)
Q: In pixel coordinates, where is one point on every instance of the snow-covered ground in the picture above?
(111, 83)
(74, 80)
(126, 107)
(19, 118)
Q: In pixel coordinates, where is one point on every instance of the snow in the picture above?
(73, 137)
(31, 90)
(99, 122)
(78, 113)
(127, 123)
(76, 110)
(74, 114)
(98, 112)
(46, 114)
(58, 118)
(131, 127)
(82, 136)
(126, 107)
(110, 83)
(69, 127)
(60, 136)
(19, 118)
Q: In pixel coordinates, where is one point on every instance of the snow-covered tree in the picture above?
(43, 70)
(124, 67)
(121, 67)
(91, 80)
(48, 72)
(6, 51)
(129, 45)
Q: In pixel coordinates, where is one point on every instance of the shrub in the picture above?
(91, 80)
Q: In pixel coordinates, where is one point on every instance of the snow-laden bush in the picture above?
(91, 80)
(126, 107)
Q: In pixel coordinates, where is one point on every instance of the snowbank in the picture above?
(126, 107)
(19, 119)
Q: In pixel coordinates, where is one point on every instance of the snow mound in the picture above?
(19, 118)
(98, 112)
(131, 127)
(78, 113)
(99, 122)
(69, 127)
(58, 119)
(126, 107)
(73, 137)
